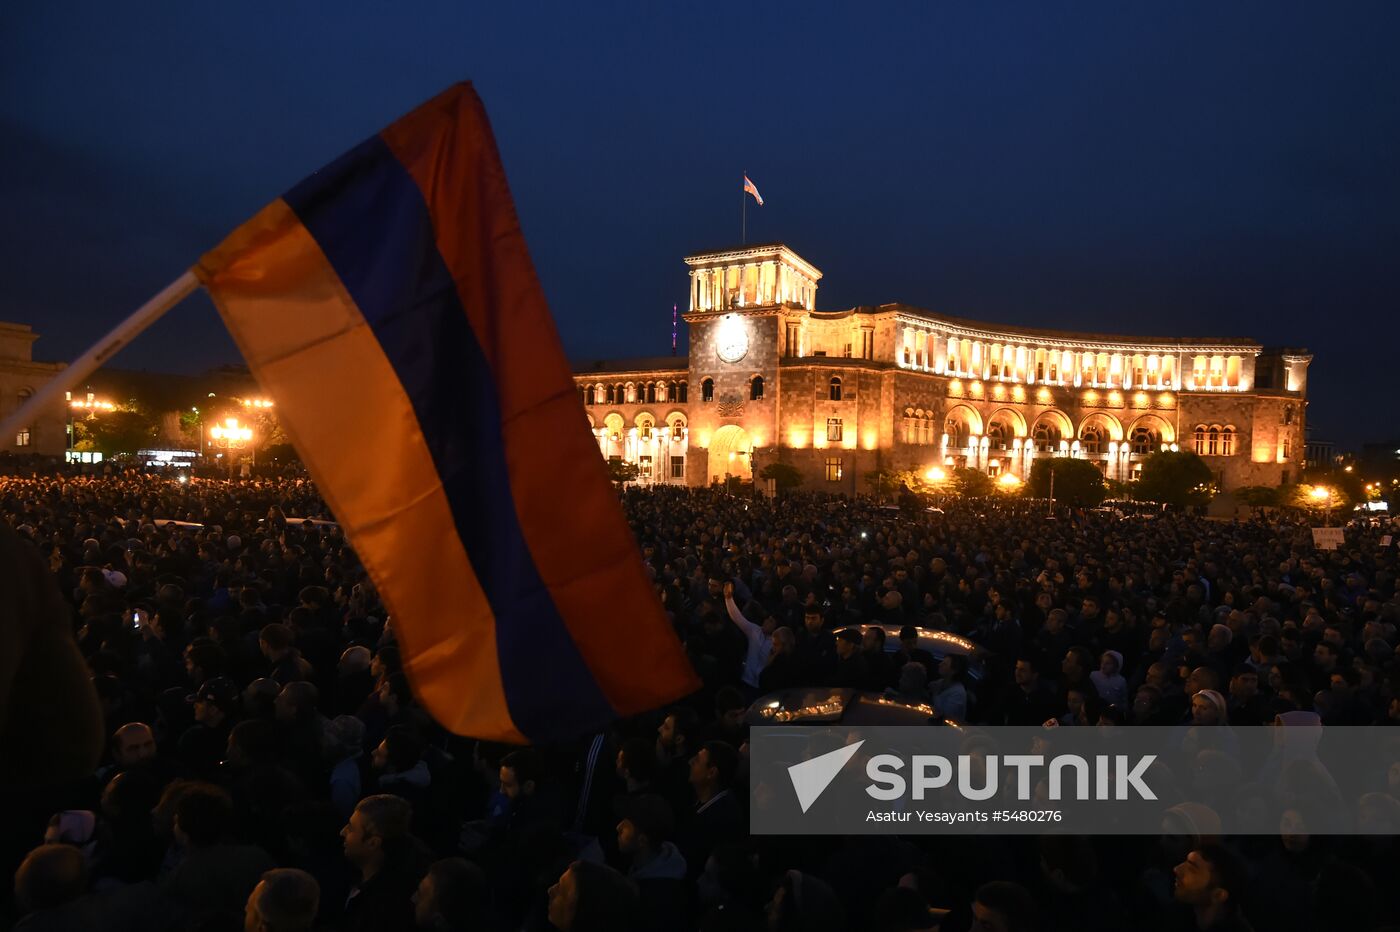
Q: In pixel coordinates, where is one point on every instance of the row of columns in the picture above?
(1017, 458)
(919, 349)
(630, 446)
(754, 284)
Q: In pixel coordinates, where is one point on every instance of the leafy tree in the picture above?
(971, 483)
(1117, 489)
(784, 475)
(124, 430)
(1078, 483)
(1181, 478)
(1258, 496)
(883, 482)
(1305, 496)
(622, 472)
(887, 483)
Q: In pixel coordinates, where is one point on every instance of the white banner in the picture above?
(1328, 538)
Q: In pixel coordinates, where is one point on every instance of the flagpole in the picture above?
(744, 214)
(121, 335)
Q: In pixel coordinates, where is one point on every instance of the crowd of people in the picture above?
(267, 766)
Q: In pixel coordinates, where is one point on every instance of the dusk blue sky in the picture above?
(1227, 169)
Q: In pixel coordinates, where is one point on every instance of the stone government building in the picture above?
(843, 393)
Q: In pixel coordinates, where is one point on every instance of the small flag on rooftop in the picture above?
(752, 188)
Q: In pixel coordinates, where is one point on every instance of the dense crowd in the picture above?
(267, 766)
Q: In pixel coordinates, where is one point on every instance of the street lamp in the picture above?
(87, 409)
(232, 436)
(1321, 494)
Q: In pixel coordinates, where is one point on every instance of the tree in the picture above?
(784, 476)
(622, 472)
(1078, 483)
(887, 483)
(1181, 478)
(971, 483)
(124, 430)
(1257, 496)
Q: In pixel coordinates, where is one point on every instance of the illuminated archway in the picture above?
(731, 451)
(1050, 428)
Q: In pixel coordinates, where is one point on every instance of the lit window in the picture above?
(833, 469)
(1144, 441)
(22, 438)
(833, 428)
(646, 430)
(1227, 442)
(834, 388)
(1213, 441)
(678, 467)
(1200, 439)
(644, 466)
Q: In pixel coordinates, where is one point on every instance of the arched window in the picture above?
(1227, 441)
(1091, 440)
(1046, 437)
(997, 436)
(1144, 441)
(612, 394)
(957, 431)
(1200, 439)
(834, 388)
(586, 394)
(707, 390)
(1287, 414)
(661, 391)
(651, 392)
(677, 428)
(645, 428)
(1213, 440)
(631, 393)
(682, 390)
(756, 388)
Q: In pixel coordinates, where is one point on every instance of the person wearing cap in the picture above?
(652, 861)
(1108, 679)
(202, 746)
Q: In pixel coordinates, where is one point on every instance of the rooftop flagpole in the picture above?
(744, 212)
(120, 336)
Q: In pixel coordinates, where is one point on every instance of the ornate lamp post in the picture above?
(232, 436)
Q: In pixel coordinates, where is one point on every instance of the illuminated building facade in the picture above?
(20, 377)
(843, 393)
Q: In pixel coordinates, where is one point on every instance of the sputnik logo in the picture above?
(811, 777)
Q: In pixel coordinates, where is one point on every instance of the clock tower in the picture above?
(747, 310)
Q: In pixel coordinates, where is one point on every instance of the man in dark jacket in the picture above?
(653, 863)
(390, 862)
